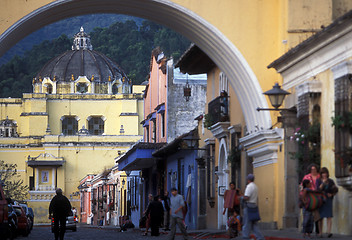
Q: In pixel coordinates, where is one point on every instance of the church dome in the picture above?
(82, 60)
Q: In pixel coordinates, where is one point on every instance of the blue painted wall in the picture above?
(187, 159)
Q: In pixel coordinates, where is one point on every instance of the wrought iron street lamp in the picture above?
(276, 96)
(187, 91)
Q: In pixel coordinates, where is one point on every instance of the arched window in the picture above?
(49, 88)
(69, 125)
(8, 128)
(115, 89)
(223, 83)
(96, 125)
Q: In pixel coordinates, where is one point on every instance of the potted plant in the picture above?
(207, 121)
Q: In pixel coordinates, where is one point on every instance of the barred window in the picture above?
(69, 125)
(210, 171)
(343, 142)
(96, 125)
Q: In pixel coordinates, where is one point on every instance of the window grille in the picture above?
(96, 126)
(69, 125)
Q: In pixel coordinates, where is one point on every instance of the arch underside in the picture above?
(203, 34)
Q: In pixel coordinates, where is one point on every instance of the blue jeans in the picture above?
(308, 221)
(249, 226)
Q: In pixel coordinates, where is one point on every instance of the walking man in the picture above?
(176, 205)
(250, 199)
(59, 209)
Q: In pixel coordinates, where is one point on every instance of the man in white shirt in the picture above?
(251, 199)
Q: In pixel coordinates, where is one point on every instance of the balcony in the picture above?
(42, 193)
(217, 119)
(218, 110)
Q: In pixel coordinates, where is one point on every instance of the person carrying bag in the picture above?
(250, 210)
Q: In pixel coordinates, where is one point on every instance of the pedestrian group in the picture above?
(315, 198)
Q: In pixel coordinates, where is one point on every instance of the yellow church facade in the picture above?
(65, 130)
(242, 38)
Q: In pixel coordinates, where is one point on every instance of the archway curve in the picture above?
(223, 181)
(220, 49)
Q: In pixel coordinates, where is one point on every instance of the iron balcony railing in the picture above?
(218, 110)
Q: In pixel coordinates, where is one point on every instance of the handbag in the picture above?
(253, 212)
(237, 199)
(314, 200)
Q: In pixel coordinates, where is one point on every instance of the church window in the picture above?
(115, 89)
(8, 128)
(82, 88)
(69, 125)
(96, 125)
(49, 88)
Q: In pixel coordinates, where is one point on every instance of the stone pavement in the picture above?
(287, 234)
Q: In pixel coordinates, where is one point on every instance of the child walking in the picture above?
(234, 225)
(308, 220)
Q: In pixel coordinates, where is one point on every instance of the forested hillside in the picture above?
(127, 43)
(69, 27)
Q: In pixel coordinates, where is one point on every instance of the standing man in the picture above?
(59, 209)
(155, 211)
(74, 211)
(90, 218)
(176, 205)
(166, 205)
(250, 198)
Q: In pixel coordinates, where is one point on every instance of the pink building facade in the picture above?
(155, 99)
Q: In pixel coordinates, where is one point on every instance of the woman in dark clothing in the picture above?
(156, 211)
(327, 185)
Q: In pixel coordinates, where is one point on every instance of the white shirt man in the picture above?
(250, 196)
(252, 193)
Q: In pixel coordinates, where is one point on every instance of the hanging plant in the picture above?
(310, 139)
(208, 122)
(344, 157)
(338, 122)
(299, 136)
(234, 156)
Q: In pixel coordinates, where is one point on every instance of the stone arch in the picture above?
(220, 49)
(223, 181)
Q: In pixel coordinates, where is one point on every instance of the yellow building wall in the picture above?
(83, 154)
(341, 202)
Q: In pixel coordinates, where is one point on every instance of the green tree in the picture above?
(128, 43)
(14, 187)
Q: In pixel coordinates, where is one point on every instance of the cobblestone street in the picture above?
(88, 233)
